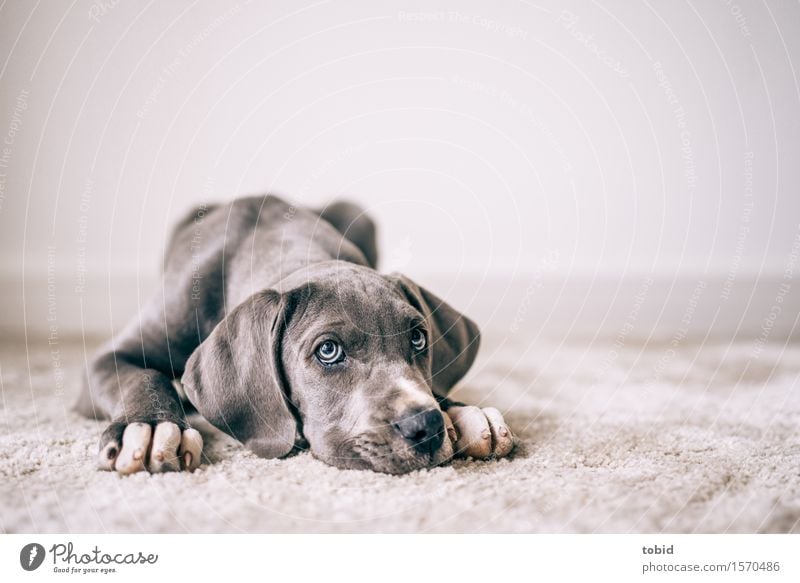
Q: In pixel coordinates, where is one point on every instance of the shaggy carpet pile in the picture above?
(633, 438)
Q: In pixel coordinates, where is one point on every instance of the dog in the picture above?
(285, 336)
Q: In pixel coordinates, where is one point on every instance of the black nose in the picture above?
(424, 430)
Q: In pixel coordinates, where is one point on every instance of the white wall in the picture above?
(505, 148)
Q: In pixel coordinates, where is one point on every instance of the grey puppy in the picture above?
(285, 337)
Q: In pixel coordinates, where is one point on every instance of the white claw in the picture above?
(474, 435)
(108, 456)
(502, 439)
(164, 453)
(191, 448)
(135, 441)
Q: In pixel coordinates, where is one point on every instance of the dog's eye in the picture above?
(330, 352)
(418, 340)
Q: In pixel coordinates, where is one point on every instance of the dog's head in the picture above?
(345, 360)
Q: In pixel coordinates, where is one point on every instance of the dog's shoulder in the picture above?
(232, 218)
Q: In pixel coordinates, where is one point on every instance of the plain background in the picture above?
(565, 167)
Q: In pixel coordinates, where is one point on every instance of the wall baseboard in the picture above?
(551, 306)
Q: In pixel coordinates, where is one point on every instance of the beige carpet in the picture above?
(612, 439)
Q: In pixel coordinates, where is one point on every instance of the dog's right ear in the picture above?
(235, 378)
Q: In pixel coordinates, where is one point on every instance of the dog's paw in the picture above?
(130, 448)
(479, 433)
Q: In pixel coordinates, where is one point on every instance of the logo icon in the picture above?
(31, 556)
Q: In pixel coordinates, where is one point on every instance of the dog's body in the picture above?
(286, 338)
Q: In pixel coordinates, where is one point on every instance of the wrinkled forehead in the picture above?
(367, 304)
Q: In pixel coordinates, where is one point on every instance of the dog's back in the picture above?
(252, 243)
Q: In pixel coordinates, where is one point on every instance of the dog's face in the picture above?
(348, 361)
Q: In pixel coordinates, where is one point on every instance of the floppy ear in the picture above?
(454, 338)
(235, 378)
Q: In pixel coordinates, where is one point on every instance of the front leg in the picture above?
(476, 432)
(148, 429)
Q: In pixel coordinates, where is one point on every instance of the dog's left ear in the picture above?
(454, 338)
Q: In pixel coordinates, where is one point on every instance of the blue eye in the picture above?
(330, 352)
(418, 341)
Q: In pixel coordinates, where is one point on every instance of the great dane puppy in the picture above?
(284, 336)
